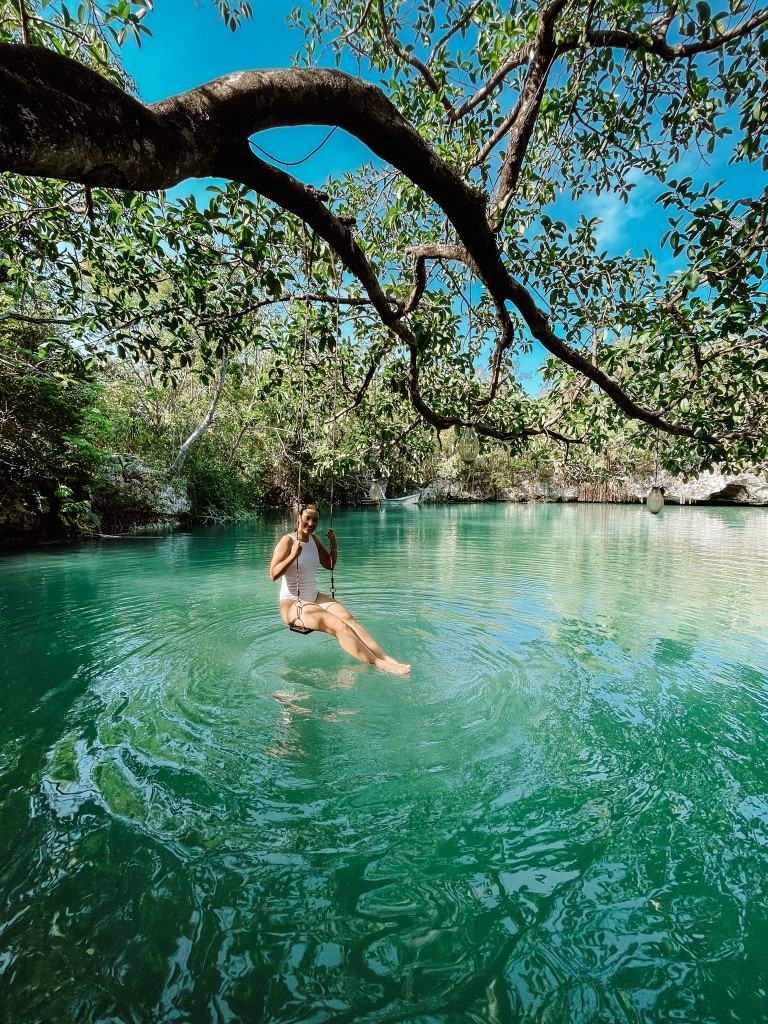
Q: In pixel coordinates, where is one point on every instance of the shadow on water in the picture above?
(561, 815)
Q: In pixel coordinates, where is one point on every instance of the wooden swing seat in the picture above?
(296, 628)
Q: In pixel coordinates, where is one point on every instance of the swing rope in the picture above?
(468, 444)
(469, 347)
(297, 626)
(335, 427)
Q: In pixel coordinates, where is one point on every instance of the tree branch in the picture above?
(63, 120)
(515, 60)
(414, 62)
(422, 253)
(526, 112)
(622, 39)
(204, 424)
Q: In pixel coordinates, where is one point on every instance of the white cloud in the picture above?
(620, 227)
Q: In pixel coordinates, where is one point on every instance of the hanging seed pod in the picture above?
(655, 500)
(468, 446)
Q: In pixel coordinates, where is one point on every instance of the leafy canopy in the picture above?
(472, 238)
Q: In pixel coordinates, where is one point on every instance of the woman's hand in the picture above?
(287, 550)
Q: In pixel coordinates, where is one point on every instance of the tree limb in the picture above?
(623, 39)
(204, 424)
(526, 112)
(63, 120)
(414, 62)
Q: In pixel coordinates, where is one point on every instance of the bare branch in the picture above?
(360, 394)
(457, 26)
(323, 298)
(414, 62)
(22, 318)
(515, 60)
(422, 253)
(622, 39)
(496, 138)
(204, 424)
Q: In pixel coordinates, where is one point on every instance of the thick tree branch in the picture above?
(526, 112)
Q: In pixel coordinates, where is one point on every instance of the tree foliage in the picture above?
(495, 132)
(46, 458)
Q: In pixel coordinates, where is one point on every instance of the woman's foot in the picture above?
(394, 661)
(395, 667)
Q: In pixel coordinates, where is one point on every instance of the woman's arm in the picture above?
(286, 551)
(327, 558)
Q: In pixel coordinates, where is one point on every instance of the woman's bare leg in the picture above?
(337, 608)
(314, 616)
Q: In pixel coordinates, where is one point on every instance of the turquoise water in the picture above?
(561, 816)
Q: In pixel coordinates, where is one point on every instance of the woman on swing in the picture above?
(295, 562)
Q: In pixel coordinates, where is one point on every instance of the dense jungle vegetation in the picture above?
(94, 446)
(217, 356)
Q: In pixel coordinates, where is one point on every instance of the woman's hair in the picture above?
(307, 505)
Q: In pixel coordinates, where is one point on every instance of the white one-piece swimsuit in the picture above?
(306, 586)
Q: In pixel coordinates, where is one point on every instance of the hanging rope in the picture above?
(468, 446)
(294, 163)
(297, 626)
(656, 460)
(304, 347)
(469, 346)
(335, 427)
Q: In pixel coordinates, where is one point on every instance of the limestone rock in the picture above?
(712, 487)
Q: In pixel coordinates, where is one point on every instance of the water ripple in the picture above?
(561, 815)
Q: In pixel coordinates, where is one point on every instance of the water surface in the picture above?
(561, 816)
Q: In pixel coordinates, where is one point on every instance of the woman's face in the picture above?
(309, 520)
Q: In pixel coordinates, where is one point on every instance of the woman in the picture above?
(295, 561)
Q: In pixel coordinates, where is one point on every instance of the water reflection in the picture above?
(560, 816)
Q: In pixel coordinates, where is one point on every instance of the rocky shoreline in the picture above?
(710, 488)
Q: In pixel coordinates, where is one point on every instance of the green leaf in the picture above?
(704, 11)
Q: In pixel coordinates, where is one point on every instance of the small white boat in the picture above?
(408, 499)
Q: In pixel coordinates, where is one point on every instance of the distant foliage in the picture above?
(46, 460)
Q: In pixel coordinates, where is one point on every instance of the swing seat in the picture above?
(296, 628)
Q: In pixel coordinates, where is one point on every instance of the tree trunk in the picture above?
(207, 420)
